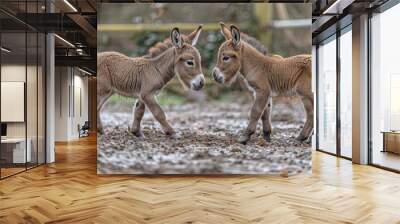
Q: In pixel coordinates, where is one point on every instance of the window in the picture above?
(346, 95)
(15, 149)
(327, 96)
(22, 78)
(385, 89)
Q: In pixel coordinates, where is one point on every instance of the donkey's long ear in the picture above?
(176, 38)
(235, 35)
(193, 37)
(225, 31)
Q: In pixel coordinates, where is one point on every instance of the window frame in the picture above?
(346, 26)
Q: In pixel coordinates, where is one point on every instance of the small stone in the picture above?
(207, 144)
(262, 142)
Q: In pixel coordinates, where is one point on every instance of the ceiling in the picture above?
(329, 15)
(74, 21)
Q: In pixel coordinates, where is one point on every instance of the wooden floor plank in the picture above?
(70, 191)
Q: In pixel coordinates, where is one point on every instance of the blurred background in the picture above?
(284, 29)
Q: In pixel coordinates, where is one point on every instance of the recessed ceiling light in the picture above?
(70, 5)
(5, 49)
(64, 40)
(337, 7)
(86, 72)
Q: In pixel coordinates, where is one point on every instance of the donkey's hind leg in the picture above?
(308, 102)
(304, 90)
(102, 97)
(266, 119)
(138, 112)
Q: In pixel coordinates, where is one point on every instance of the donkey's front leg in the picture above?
(158, 114)
(255, 114)
(266, 119)
(138, 112)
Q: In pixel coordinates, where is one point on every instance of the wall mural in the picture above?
(194, 89)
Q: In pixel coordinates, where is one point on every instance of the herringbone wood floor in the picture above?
(69, 191)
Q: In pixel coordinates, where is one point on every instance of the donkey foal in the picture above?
(143, 77)
(267, 77)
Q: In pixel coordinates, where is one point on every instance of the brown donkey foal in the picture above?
(267, 77)
(142, 78)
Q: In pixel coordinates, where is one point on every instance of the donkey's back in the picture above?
(120, 73)
(288, 74)
(301, 60)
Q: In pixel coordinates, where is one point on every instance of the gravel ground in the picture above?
(206, 143)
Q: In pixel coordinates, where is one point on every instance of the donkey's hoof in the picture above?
(267, 136)
(170, 133)
(174, 136)
(301, 138)
(243, 139)
(138, 134)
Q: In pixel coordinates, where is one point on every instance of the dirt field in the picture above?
(206, 143)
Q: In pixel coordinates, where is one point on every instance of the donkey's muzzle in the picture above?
(198, 82)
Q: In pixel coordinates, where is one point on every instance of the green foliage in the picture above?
(253, 28)
(207, 46)
(165, 98)
(115, 99)
(145, 40)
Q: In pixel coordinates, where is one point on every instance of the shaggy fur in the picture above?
(143, 77)
(267, 77)
(160, 47)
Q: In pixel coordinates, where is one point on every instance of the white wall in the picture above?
(17, 73)
(33, 125)
(12, 73)
(80, 110)
(62, 81)
(71, 87)
(12, 100)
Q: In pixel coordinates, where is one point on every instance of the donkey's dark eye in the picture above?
(189, 62)
(226, 58)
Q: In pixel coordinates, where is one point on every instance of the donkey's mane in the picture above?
(254, 43)
(160, 47)
(257, 54)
